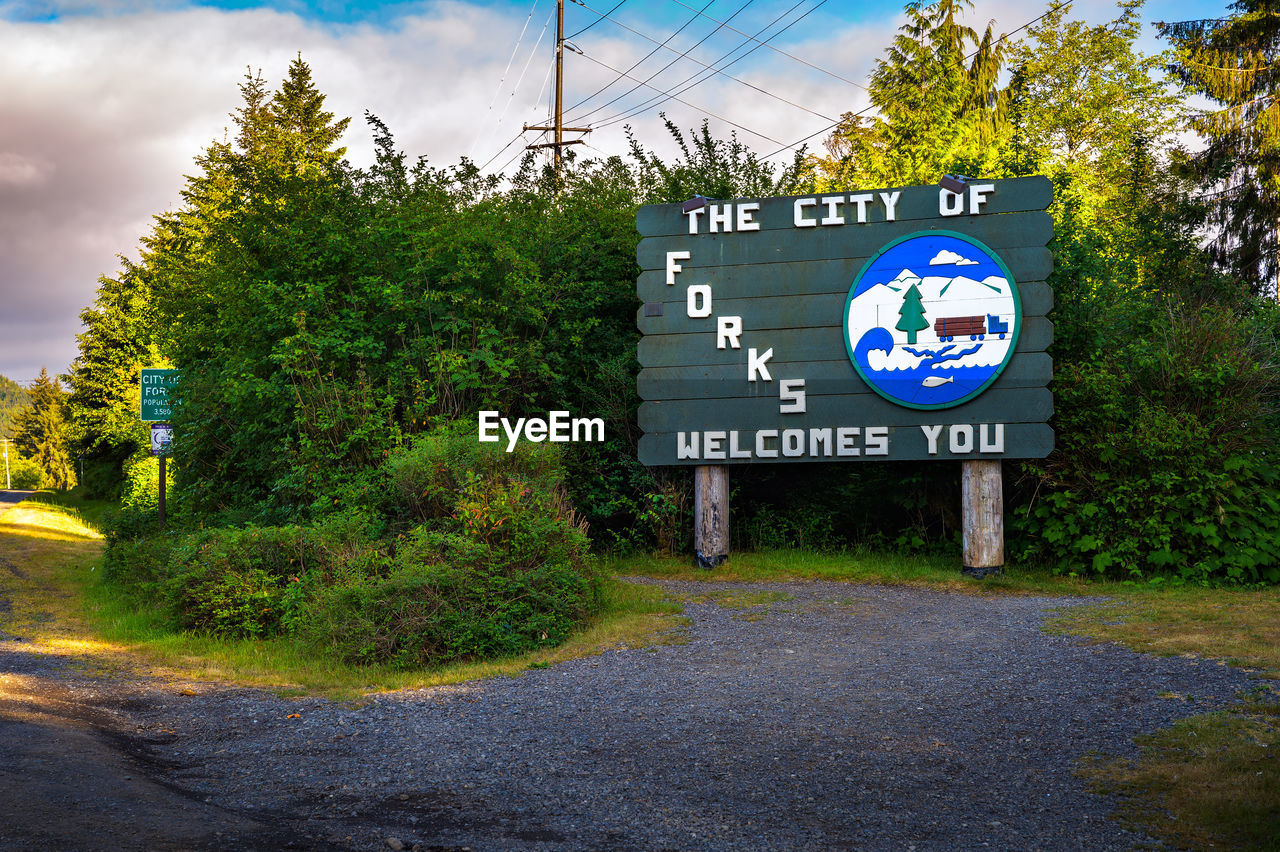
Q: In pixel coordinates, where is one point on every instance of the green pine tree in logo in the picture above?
(912, 315)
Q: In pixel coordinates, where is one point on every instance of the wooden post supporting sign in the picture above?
(982, 515)
(710, 515)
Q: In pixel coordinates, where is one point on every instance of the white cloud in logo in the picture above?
(948, 256)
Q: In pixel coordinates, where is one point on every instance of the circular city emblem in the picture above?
(932, 320)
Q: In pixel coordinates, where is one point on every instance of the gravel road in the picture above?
(834, 716)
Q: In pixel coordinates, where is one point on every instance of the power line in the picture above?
(502, 150)
(637, 63)
(525, 69)
(678, 100)
(865, 109)
(550, 66)
(685, 55)
(505, 71)
(725, 24)
(655, 74)
(636, 110)
(598, 20)
(668, 95)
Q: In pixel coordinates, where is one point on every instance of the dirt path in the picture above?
(73, 772)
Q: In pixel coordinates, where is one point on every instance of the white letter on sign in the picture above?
(756, 365)
(801, 220)
(931, 434)
(728, 329)
(791, 392)
(950, 203)
(978, 193)
(695, 294)
(672, 266)
(745, 222)
(890, 200)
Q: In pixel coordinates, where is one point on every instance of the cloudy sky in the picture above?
(104, 103)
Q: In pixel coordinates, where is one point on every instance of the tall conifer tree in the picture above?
(42, 431)
(1235, 62)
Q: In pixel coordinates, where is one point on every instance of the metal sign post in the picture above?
(161, 439)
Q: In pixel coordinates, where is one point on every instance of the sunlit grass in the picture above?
(74, 504)
(858, 566)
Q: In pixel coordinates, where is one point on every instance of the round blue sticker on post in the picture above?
(932, 320)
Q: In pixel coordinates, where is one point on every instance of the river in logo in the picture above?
(932, 320)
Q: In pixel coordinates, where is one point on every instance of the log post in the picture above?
(982, 515)
(710, 515)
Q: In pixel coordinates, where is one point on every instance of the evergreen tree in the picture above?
(237, 272)
(12, 400)
(937, 110)
(1235, 62)
(911, 315)
(42, 431)
(103, 405)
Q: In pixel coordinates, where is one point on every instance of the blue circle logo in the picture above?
(932, 320)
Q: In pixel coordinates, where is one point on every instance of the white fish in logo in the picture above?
(937, 381)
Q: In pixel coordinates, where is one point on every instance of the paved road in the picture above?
(9, 498)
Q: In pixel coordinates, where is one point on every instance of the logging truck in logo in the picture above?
(932, 320)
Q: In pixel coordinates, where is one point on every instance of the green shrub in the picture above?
(487, 558)
(1165, 464)
(497, 564)
(25, 474)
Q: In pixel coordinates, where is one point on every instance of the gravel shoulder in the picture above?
(794, 715)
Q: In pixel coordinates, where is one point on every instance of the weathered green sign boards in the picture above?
(885, 324)
(155, 406)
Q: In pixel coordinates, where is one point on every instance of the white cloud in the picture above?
(948, 256)
(103, 111)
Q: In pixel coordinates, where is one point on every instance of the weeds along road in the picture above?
(786, 716)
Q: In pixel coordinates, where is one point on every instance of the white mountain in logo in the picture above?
(881, 306)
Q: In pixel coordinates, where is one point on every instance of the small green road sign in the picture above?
(155, 405)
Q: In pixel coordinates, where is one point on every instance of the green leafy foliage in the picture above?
(24, 474)
(1166, 462)
(117, 343)
(477, 554)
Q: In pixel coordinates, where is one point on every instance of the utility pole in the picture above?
(559, 128)
(7, 484)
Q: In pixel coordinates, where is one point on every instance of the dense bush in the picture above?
(476, 553)
(24, 474)
(1166, 461)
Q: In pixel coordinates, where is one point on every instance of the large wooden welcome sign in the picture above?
(882, 324)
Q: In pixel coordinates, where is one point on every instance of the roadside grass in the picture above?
(635, 616)
(57, 601)
(89, 513)
(37, 547)
(854, 566)
(1212, 780)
